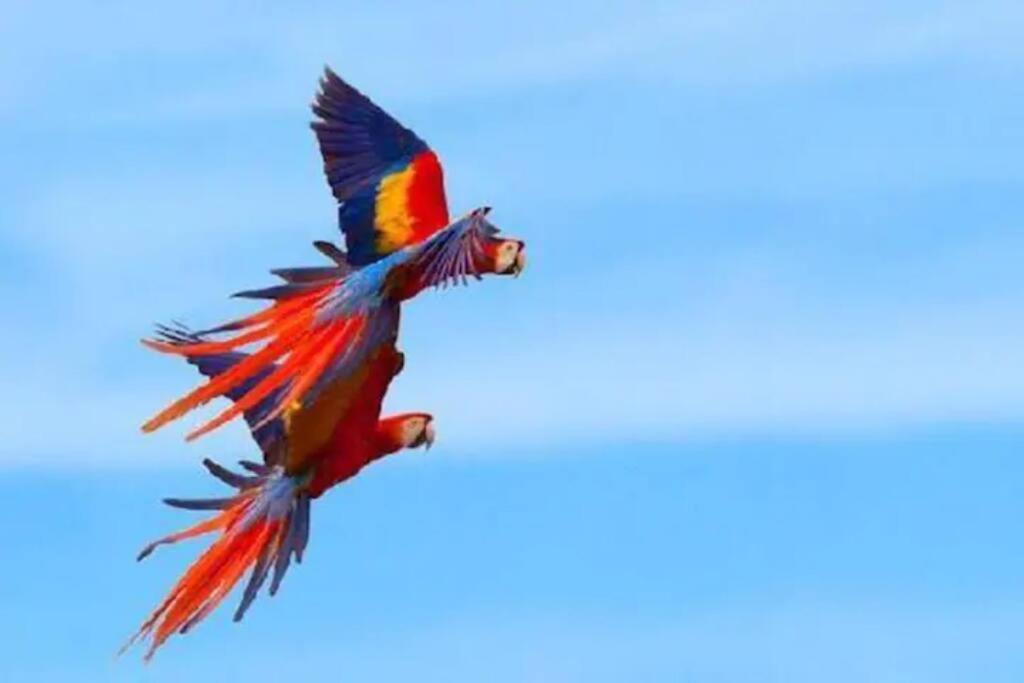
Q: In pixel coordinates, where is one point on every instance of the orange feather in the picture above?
(290, 332)
(306, 348)
(309, 375)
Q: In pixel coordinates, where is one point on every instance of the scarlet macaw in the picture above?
(306, 452)
(394, 215)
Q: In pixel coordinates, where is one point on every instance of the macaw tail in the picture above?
(261, 528)
(294, 331)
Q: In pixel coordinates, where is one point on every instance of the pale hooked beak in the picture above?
(429, 435)
(520, 263)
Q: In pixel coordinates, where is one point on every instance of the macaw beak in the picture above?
(429, 435)
(520, 263)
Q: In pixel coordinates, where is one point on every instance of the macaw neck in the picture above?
(387, 438)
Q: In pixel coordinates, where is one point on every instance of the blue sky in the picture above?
(753, 413)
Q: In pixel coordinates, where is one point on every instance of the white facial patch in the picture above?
(507, 256)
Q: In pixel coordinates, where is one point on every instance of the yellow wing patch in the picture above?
(391, 216)
(310, 426)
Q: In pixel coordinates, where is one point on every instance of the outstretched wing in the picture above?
(269, 435)
(388, 182)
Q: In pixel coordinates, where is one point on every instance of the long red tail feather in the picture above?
(264, 524)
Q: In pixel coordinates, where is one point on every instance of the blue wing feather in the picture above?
(360, 144)
(358, 140)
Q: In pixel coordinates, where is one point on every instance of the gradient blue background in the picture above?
(754, 413)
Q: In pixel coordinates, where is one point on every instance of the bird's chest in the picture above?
(342, 461)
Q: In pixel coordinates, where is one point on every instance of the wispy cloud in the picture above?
(265, 59)
(803, 640)
(741, 371)
(735, 368)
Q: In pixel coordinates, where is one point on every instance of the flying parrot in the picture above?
(265, 524)
(399, 240)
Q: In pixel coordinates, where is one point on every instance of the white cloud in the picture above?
(799, 640)
(742, 371)
(269, 58)
(734, 368)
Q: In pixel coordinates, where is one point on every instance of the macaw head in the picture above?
(417, 429)
(498, 254)
(408, 430)
(506, 256)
